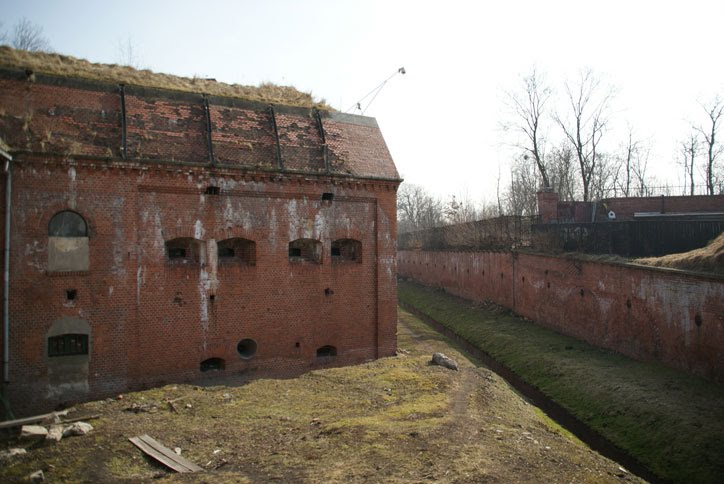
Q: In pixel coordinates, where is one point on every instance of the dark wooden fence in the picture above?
(639, 238)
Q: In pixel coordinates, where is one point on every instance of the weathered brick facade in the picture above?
(189, 225)
(643, 312)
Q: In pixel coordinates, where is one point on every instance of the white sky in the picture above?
(440, 120)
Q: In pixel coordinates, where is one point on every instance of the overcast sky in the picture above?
(441, 119)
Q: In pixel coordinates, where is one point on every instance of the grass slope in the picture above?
(670, 421)
(705, 259)
(392, 420)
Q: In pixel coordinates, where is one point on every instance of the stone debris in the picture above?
(36, 476)
(32, 432)
(10, 453)
(78, 428)
(442, 360)
(142, 407)
(55, 433)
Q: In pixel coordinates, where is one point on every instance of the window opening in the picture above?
(68, 345)
(176, 252)
(347, 250)
(212, 190)
(305, 250)
(226, 252)
(326, 351)
(237, 250)
(183, 250)
(327, 196)
(70, 294)
(213, 364)
(67, 224)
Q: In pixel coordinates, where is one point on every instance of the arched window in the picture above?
(346, 250)
(67, 242)
(237, 250)
(67, 224)
(183, 250)
(305, 250)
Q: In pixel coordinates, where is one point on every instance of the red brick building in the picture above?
(158, 235)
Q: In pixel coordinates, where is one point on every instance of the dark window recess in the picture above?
(305, 250)
(347, 250)
(213, 364)
(212, 190)
(176, 253)
(237, 250)
(327, 196)
(70, 294)
(67, 224)
(326, 351)
(226, 252)
(68, 345)
(246, 348)
(184, 250)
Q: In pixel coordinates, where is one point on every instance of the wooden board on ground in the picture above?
(164, 455)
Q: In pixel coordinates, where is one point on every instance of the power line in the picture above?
(374, 91)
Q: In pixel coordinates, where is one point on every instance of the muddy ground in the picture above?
(393, 420)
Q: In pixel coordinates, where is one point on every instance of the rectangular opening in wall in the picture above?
(212, 190)
(305, 250)
(68, 345)
(176, 253)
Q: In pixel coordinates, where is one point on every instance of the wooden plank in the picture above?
(157, 455)
(170, 454)
(164, 455)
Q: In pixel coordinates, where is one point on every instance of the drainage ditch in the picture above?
(556, 412)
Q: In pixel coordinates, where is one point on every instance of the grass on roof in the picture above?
(67, 66)
(706, 259)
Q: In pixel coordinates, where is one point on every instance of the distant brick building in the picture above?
(159, 235)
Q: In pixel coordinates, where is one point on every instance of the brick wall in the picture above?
(645, 313)
(151, 320)
(626, 207)
(551, 210)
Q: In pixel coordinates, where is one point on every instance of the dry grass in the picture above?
(706, 259)
(392, 420)
(67, 66)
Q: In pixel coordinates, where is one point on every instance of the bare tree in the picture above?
(417, 209)
(29, 36)
(528, 108)
(689, 151)
(127, 53)
(460, 209)
(524, 182)
(562, 174)
(589, 101)
(714, 111)
(630, 176)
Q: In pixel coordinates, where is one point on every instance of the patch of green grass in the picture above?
(671, 421)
